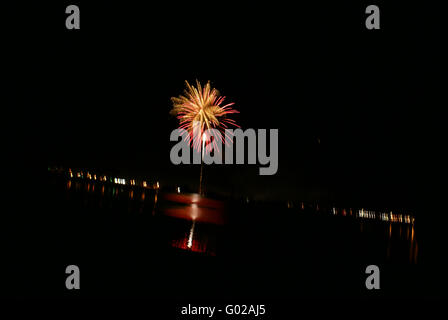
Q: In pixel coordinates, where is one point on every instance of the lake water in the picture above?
(132, 241)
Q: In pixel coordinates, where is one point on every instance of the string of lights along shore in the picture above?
(359, 213)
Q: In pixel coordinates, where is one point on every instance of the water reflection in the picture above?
(93, 192)
(194, 241)
(395, 231)
(190, 237)
(193, 210)
(193, 207)
(398, 227)
(400, 237)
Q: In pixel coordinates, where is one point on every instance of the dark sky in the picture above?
(102, 94)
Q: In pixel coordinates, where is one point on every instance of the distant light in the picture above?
(178, 189)
(144, 184)
(158, 184)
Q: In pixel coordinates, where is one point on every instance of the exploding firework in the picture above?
(200, 109)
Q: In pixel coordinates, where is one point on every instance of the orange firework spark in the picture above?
(199, 109)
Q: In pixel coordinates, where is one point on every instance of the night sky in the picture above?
(347, 101)
(360, 120)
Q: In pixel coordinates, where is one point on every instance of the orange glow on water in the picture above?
(194, 246)
(190, 242)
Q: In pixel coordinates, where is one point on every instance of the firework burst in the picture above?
(200, 109)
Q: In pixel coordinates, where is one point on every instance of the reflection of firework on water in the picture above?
(200, 109)
(190, 237)
(189, 242)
